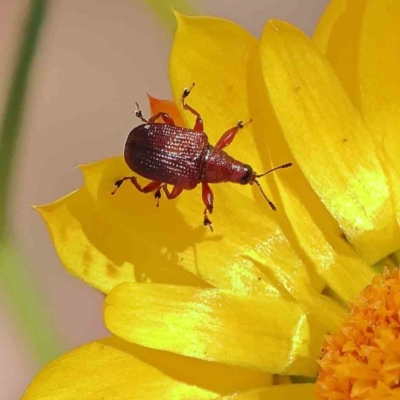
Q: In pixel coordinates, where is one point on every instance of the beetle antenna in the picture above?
(274, 169)
(271, 204)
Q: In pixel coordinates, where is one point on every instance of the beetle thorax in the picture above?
(221, 167)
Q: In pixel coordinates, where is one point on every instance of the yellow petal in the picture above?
(216, 261)
(213, 53)
(312, 231)
(223, 50)
(173, 234)
(325, 31)
(379, 60)
(328, 312)
(361, 41)
(338, 37)
(326, 135)
(211, 324)
(166, 106)
(87, 244)
(114, 369)
(281, 392)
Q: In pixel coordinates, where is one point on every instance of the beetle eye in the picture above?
(246, 178)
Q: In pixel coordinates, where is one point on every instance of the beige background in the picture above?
(96, 59)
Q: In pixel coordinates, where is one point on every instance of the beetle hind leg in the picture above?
(150, 187)
(139, 114)
(165, 117)
(176, 191)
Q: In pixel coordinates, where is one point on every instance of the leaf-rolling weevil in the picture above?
(171, 155)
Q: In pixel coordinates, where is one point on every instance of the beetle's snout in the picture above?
(248, 176)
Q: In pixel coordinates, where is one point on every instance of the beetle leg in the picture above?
(150, 187)
(208, 197)
(227, 138)
(208, 200)
(139, 114)
(157, 196)
(198, 126)
(166, 118)
(176, 191)
(207, 221)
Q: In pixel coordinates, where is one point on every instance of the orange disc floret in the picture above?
(362, 360)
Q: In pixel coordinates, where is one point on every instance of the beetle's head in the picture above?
(251, 177)
(248, 176)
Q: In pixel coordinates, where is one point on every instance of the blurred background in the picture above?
(93, 61)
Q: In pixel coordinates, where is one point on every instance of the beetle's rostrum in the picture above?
(171, 155)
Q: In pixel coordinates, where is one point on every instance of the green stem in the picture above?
(11, 124)
(21, 294)
(163, 10)
(30, 315)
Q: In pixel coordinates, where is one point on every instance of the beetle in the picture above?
(171, 155)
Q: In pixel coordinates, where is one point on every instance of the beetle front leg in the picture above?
(208, 200)
(198, 126)
(227, 138)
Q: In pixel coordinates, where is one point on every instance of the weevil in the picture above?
(171, 155)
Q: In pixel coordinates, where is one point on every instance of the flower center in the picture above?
(362, 360)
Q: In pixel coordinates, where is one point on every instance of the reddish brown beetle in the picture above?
(168, 154)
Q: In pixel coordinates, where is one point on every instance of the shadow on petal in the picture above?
(113, 369)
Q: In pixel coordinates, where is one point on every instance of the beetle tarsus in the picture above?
(241, 124)
(139, 114)
(117, 185)
(207, 221)
(157, 196)
(186, 93)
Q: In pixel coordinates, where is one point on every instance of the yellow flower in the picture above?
(362, 360)
(210, 315)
